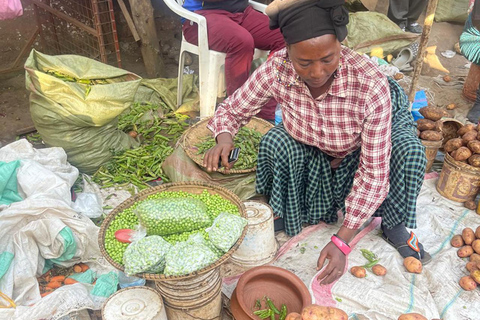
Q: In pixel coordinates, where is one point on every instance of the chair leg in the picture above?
(221, 92)
(208, 86)
(181, 64)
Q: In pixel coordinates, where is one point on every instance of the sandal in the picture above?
(412, 243)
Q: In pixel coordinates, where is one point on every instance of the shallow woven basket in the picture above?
(190, 187)
(198, 132)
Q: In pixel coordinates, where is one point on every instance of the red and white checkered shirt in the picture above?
(354, 113)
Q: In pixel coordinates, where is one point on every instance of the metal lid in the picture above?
(133, 303)
(257, 212)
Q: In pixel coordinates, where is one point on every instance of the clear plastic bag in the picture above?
(225, 230)
(146, 255)
(189, 256)
(172, 215)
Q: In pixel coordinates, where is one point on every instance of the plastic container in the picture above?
(470, 86)
(458, 181)
(259, 245)
(278, 114)
(431, 149)
(125, 281)
(198, 297)
(134, 303)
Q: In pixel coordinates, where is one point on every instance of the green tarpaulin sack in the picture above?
(80, 115)
(8, 182)
(452, 11)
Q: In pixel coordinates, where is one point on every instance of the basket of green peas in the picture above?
(215, 200)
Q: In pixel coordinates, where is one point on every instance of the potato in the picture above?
(439, 126)
(472, 266)
(451, 106)
(425, 124)
(293, 316)
(474, 145)
(447, 78)
(465, 251)
(474, 161)
(413, 265)
(468, 235)
(359, 272)
(475, 257)
(477, 232)
(398, 76)
(379, 270)
(452, 144)
(470, 204)
(431, 135)
(412, 316)
(316, 312)
(475, 274)
(476, 246)
(469, 136)
(432, 113)
(457, 241)
(461, 154)
(467, 283)
(478, 135)
(465, 129)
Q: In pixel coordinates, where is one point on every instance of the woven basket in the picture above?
(198, 132)
(190, 187)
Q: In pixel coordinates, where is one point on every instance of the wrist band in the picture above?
(343, 246)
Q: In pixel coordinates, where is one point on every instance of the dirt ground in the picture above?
(14, 104)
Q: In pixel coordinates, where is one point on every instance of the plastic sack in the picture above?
(146, 255)
(452, 11)
(106, 285)
(84, 277)
(179, 167)
(189, 256)
(10, 9)
(167, 216)
(8, 182)
(88, 204)
(225, 230)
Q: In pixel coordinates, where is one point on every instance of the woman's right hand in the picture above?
(220, 150)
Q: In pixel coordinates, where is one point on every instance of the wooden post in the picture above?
(427, 27)
(142, 12)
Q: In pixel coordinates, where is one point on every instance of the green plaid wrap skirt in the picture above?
(303, 188)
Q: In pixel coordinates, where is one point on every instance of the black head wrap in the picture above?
(300, 20)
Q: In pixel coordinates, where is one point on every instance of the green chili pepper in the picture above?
(283, 312)
(371, 264)
(272, 306)
(264, 314)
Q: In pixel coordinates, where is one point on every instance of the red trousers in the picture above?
(238, 34)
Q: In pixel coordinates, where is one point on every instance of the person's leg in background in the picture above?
(415, 9)
(474, 113)
(257, 24)
(398, 11)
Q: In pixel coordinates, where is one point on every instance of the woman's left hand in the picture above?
(336, 264)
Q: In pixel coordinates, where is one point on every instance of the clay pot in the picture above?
(278, 284)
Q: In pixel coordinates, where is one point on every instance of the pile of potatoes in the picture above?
(431, 127)
(316, 312)
(469, 247)
(466, 147)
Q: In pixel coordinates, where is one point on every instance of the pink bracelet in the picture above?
(345, 248)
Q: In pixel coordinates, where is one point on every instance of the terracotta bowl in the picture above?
(278, 284)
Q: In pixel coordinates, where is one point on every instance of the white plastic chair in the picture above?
(211, 63)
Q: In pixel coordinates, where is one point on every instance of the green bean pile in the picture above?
(140, 165)
(248, 140)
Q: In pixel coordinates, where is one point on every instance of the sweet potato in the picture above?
(470, 204)
(413, 265)
(465, 251)
(465, 129)
(58, 278)
(431, 135)
(316, 312)
(412, 316)
(379, 270)
(468, 235)
(475, 257)
(478, 135)
(472, 266)
(452, 144)
(457, 241)
(293, 316)
(431, 113)
(474, 145)
(476, 245)
(474, 161)
(77, 268)
(359, 272)
(70, 281)
(475, 274)
(425, 124)
(54, 284)
(461, 154)
(469, 136)
(467, 283)
(439, 126)
(477, 232)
